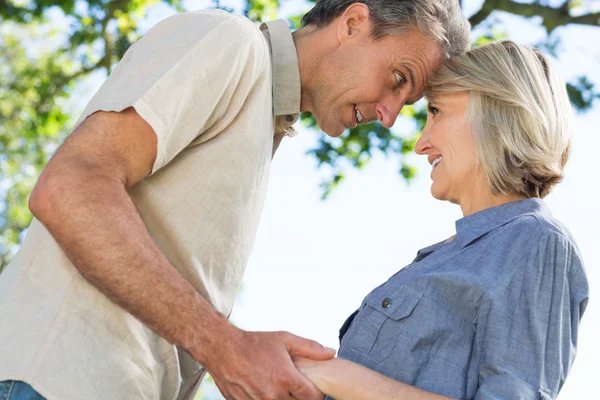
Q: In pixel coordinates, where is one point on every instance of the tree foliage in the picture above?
(42, 63)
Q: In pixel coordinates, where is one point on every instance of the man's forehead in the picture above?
(420, 65)
(416, 42)
(418, 77)
(419, 57)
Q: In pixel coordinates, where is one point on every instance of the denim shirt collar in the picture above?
(474, 226)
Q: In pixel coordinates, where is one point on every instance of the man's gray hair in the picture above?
(441, 20)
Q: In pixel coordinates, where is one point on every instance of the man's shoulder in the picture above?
(209, 19)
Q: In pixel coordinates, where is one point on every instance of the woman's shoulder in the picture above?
(539, 226)
(546, 248)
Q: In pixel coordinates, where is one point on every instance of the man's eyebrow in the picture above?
(412, 76)
(412, 84)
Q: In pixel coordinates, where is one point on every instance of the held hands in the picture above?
(259, 366)
(320, 373)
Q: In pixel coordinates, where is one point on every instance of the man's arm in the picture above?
(81, 199)
(345, 380)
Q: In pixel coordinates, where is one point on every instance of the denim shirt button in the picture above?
(385, 303)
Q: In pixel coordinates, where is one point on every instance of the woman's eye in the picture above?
(400, 79)
(433, 110)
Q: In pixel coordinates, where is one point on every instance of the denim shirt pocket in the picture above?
(380, 321)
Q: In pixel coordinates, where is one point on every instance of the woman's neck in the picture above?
(480, 201)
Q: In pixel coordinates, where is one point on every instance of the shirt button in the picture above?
(289, 118)
(385, 303)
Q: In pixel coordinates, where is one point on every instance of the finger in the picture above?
(303, 362)
(233, 392)
(298, 346)
(224, 392)
(238, 394)
(304, 389)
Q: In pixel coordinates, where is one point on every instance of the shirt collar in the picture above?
(421, 254)
(474, 226)
(286, 73)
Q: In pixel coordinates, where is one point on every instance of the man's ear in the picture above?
(354, 21)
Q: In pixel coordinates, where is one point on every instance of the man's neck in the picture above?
(311, 45)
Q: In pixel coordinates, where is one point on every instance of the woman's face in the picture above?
(450, 148)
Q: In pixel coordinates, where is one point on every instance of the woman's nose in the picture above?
(423, 144)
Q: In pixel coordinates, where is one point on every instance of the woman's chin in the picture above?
(437, 193)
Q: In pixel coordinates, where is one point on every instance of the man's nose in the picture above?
(388, 111)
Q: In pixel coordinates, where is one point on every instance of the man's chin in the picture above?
(331, 126)
(334, 131)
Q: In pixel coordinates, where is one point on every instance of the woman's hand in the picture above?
(315, 371)
(343, 379)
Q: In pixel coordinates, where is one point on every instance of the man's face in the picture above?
(365, 80)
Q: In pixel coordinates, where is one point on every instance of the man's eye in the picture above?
(400, 79)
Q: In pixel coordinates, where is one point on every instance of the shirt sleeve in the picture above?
(188, 74)
(526, 327)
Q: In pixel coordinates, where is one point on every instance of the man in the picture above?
(146, 215)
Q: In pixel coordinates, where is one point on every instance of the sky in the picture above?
(314, 261)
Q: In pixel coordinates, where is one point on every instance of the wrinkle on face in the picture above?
(457, 178)
(362, 73)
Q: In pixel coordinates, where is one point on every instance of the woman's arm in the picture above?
(345, 380)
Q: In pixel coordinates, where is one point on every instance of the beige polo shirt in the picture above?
(206, 83)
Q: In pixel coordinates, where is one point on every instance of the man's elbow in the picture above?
(48, 200)
(42, 198)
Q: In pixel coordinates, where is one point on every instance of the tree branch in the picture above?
(64, 80)
(552, 17)
(106, 61)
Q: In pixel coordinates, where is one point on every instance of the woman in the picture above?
(492, 312)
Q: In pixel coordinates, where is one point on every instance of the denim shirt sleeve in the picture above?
(526, 325)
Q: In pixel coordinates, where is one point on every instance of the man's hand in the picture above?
(259, 366)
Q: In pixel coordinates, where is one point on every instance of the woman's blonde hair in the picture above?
(518, 111)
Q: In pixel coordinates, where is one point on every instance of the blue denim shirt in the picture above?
(491, 314)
